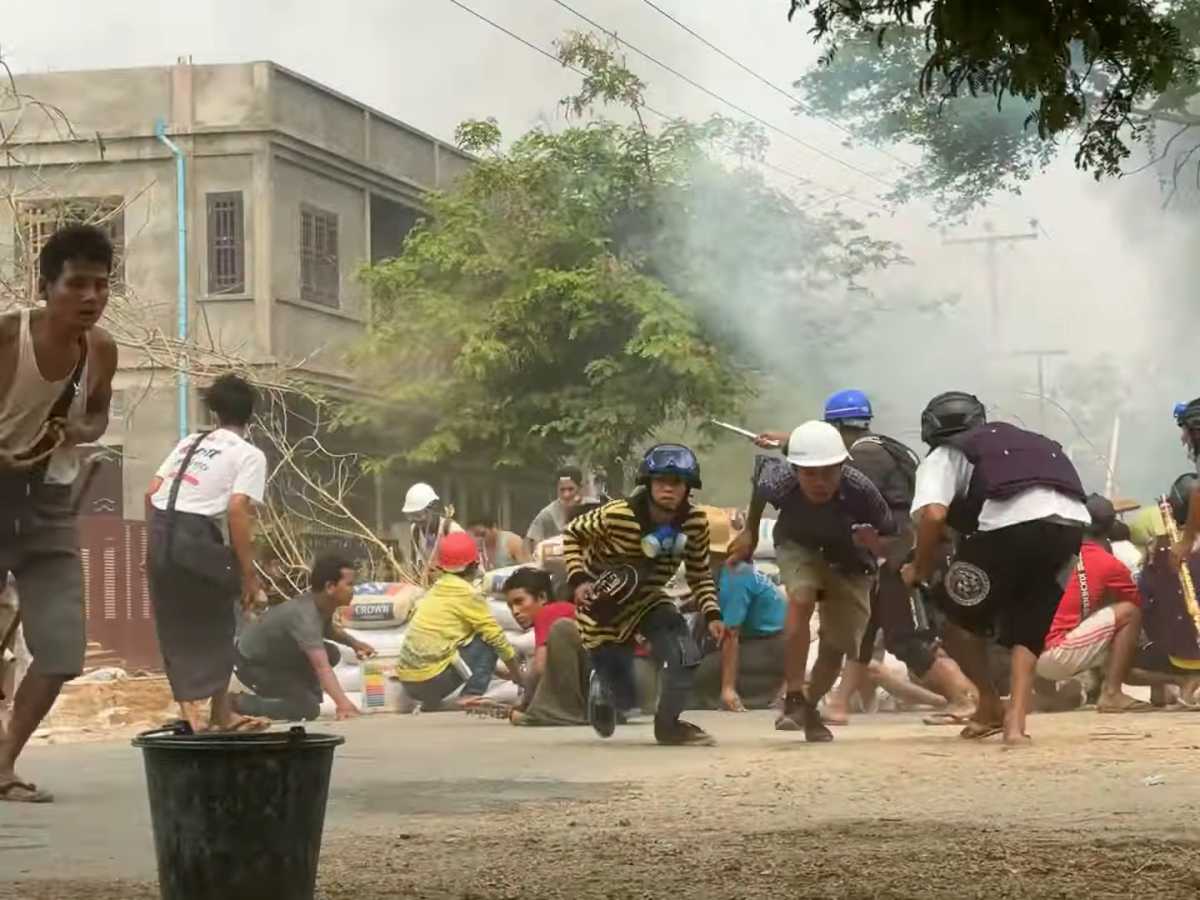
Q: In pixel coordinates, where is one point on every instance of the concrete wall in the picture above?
(301, 329)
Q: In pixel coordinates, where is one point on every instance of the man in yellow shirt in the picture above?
(453, 640)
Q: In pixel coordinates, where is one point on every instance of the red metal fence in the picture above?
(115, 592)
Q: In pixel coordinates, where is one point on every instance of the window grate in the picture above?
(319, 275)
(226, 243)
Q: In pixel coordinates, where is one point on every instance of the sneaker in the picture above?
(789, 721)
(682, 734)
(815, 730)
(602, 713)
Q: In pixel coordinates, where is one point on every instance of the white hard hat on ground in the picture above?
(815, 444)
(419, 496)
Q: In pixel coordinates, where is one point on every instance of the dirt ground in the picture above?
(1097, 807)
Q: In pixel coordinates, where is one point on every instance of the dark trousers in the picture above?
(670, 645)
(287, 691)
(479, 656)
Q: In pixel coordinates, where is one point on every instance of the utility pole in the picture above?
(1040, 356)
(991, 242)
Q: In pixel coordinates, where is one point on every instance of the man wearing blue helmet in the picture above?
(619, 559)
(1189, 423)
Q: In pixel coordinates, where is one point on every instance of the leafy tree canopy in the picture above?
(989, 90)
(576, 291)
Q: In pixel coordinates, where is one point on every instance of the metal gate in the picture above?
(115, 592)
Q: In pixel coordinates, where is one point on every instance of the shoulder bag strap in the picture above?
(1085, 599)
(60, 409)
(174, 496)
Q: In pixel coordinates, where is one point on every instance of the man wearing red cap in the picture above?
(453, 640)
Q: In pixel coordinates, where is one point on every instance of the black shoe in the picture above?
(815, 731)
(602, 713)
(682, 734)
(789, 721)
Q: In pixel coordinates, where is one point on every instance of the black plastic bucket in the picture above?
(237, 816)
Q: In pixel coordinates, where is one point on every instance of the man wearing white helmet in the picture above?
(424, 509)
(827, 544)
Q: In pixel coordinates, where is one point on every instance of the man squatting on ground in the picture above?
(56, 371)
(1016, 502)
(1099, 619)
(619, 559)
(286, 657)
(827, 545)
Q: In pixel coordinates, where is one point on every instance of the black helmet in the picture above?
(1103, 514)
(670, 459)
(949, 414)
(1181, 493)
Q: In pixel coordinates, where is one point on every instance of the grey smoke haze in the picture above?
(1112, 280)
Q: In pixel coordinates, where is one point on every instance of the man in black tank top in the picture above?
(38, 541)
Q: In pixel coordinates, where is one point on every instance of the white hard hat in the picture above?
(815, 444)
(419, 496)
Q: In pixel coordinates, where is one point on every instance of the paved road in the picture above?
(446, 776)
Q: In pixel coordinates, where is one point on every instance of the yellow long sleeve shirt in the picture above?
(447, 617)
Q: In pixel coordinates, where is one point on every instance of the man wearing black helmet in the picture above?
(619, 559)
(1189, 421)
(1016, 503)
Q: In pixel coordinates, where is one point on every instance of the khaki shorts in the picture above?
(1084, 647)
(843, 601)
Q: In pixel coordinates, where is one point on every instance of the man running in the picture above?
(908, 628)
(827, 545)
(1016, 502)
(619, 559)
(56, 371)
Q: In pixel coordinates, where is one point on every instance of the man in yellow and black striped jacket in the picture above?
(619, 559)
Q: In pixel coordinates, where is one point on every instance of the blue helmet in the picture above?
(670, 459)
(1178, 413)
(847, 406)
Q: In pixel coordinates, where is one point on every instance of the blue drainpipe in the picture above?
(181, 303)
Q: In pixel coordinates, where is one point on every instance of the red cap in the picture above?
(456, 551)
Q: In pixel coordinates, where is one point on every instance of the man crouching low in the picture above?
(619, 559)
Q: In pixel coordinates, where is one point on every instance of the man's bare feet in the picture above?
(731, 702)
(192, 711)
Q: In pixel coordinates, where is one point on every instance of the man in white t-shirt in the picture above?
(218, 477)
(1016, 502)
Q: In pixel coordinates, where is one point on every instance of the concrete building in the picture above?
(290, 188)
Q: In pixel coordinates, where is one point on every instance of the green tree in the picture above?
(573, 293)
(991, 92)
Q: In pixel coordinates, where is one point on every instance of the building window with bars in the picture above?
(38, 219)
(318, 256)
(226, 244)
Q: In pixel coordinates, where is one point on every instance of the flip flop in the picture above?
(245, 725)
(23, 792)
(977, 731)
(946, 718)
(1137, 706)
(835, 721)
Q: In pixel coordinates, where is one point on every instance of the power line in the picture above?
(833, 193)
(776, 88)
(741, 109)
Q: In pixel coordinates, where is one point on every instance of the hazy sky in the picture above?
(432, 64)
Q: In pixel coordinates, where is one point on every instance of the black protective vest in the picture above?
(1007, 461)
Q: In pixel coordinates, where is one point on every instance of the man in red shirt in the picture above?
(556, 692)
(1099, 617)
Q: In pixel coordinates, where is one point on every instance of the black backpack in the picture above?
(901, 482)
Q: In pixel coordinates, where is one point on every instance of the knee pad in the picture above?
(917, 651)
(681, 649)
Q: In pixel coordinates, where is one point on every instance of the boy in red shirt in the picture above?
(1099, 617)
(556, 692)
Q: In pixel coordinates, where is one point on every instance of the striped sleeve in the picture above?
(698, 566)
(576, 536)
